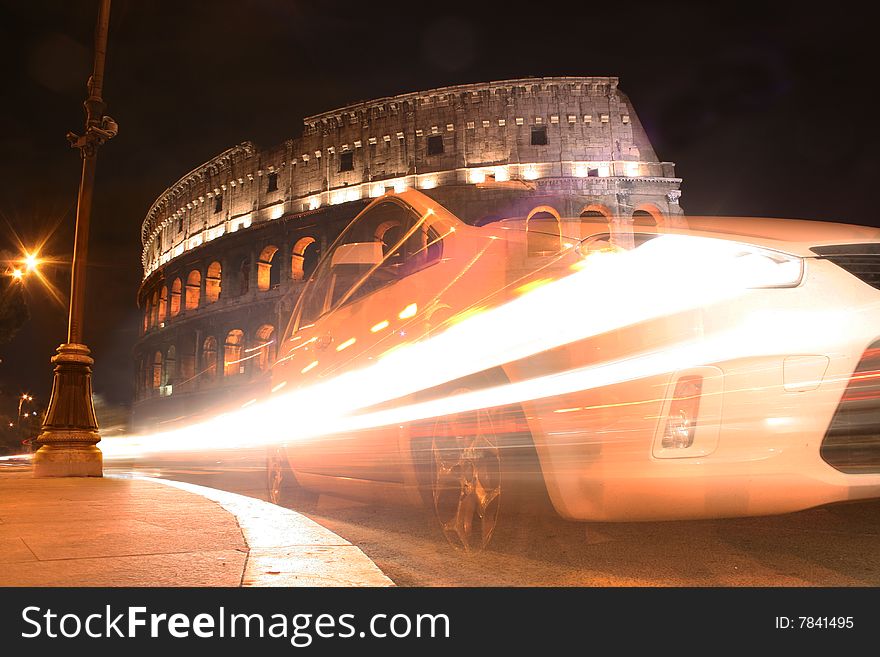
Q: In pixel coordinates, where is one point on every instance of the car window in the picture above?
(383, 245)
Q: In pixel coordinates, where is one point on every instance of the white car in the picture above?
(710, 368)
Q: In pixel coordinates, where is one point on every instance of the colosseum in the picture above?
(228, 247)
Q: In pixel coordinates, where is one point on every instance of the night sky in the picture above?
(764, 110)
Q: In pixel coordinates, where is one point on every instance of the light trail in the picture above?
(648, 283)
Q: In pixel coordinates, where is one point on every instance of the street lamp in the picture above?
(21, 400)
(31, 262)
(69, 438)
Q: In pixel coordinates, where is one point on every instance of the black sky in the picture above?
(765, 109)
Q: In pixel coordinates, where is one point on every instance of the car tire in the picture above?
(282, 488)
(482, 482)
(466, 479)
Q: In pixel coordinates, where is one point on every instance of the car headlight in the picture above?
(763, 268)
(742, 265)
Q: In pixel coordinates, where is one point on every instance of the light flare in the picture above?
(346, 344)
(409, 311)
(31, 261)
(532, 285)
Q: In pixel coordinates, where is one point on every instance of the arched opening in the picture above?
(212, 282)
(147, 311)
(154, 306)
(647, 215)
(193, 289)
(156, 381)
(268, 269)
(595, 217)
(232, 362)
(175, 297)
(642, 218)
(244, 276)
(389, 233)
(544, 236)
(265, 346)
(163, 304)
(169, 374)
(596, 211)
(304, 258)
(209, 357)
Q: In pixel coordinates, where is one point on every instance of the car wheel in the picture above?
(466, 476)
(282, 487)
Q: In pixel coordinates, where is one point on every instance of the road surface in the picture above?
(825, 547)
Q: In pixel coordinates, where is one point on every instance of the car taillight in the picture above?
(681, 423)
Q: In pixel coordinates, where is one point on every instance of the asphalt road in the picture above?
(836, 546)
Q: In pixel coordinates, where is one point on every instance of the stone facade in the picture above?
(227, 247)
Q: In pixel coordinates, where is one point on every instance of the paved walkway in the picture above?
(152, 532)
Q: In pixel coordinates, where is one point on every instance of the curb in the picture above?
(285, 548)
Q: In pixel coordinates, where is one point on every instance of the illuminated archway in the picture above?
(176, 287)
(647, 214)
(232, 349)
(154, 309)
(169, 372)
(193, 289)
(389, 233)
(595, 217)
(264, 344)
(268, 268)
(209, 357)
(304, 258)
(596, 211)
(213, 282)
(542, 225)
(163, 304)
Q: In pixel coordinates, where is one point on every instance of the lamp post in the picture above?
(21, 400)
(69, 437)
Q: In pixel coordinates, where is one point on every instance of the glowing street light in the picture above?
(17, 273)
(21, 400)
(31, 262)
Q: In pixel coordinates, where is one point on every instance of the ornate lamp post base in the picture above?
(70, 431)
(69, 460)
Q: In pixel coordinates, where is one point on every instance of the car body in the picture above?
(708, 367)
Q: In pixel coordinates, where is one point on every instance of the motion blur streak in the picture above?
(649, 283)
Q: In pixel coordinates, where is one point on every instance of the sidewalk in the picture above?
(140, 532)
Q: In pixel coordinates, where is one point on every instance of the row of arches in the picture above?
(167, 302)
(543, 224)
(183, 367)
